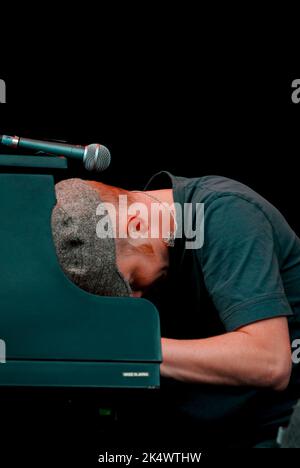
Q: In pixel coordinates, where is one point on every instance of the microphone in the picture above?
(95, 157)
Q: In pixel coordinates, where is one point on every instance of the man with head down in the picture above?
(229, 307)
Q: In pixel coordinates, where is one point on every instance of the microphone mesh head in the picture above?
(96, 158)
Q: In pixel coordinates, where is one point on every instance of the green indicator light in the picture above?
(105, 411)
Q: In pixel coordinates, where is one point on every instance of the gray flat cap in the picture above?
(87, 260)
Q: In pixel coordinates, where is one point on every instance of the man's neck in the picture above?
(164, 195)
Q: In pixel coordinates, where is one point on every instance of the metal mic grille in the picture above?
(96, 158)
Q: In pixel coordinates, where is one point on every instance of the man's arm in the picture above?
(258, 355)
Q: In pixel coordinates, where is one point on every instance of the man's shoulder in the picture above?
(207, 189)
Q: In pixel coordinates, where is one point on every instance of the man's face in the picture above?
(143, 270)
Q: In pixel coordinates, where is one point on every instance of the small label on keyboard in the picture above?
(135, 374)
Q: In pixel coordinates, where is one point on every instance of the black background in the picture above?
(191, 105)
(229, 115)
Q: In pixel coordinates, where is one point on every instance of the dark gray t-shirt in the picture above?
(248, 269)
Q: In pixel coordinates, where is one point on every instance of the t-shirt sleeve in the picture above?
(240, 263)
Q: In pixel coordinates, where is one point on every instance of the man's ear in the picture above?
(137, 227)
